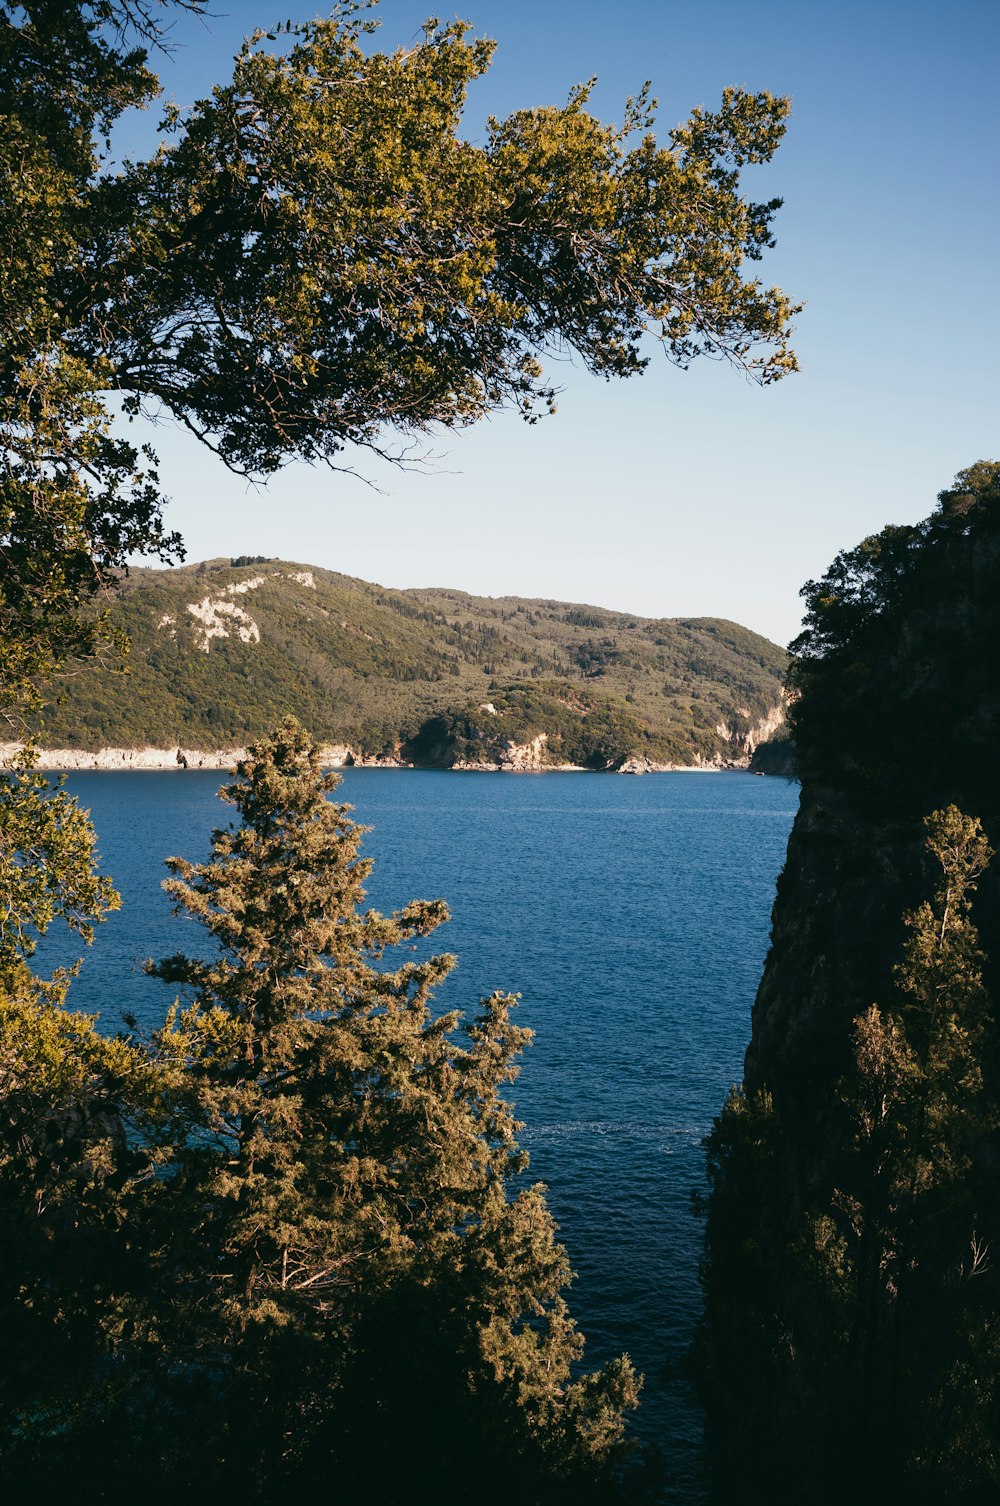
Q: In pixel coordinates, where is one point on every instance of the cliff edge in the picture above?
(851, 1346)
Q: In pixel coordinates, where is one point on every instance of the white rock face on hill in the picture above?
(216, 615)
(762, 730)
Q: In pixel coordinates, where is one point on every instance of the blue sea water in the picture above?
(632, 917)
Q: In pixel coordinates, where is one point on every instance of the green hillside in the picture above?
(221, 650)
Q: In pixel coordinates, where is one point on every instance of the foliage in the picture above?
(848, 1264)
(579, 728)
(315, 258)
(75, 500)
(374, 668)
(344, 1199)
(923, 581)
(291, 1233)
(863, 1289)
(776, 756)
(81, 1124)
(907, 1210)
(312, 259)
(46, 863)
(80, 1120)
(320, 254)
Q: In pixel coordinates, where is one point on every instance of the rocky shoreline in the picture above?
(519, 759)
(67, 760)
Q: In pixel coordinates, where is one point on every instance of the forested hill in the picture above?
(221, 650)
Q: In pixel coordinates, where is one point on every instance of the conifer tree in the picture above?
(851, 1323)
(908, 1207)
(352, 1244)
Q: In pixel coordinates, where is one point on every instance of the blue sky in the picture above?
(693, 493)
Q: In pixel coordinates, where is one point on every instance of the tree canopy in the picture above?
(852, 1305)
(354, 1166)
(926, 581)
(315, 258)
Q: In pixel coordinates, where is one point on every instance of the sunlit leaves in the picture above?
(335, 263)
(350, 1149)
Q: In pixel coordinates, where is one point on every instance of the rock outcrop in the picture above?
(66, 760)
(512, 757)
(744, 738)
(855, 1183)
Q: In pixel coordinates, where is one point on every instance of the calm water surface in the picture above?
(631, 915)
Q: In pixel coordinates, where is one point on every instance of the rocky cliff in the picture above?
(852, 1334)
(899, 715)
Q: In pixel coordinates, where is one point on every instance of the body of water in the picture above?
(631, 915)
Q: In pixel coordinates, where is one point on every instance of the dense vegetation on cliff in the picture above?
(852, 1341)
(220, 651)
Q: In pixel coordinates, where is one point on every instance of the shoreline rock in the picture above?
(69, 760)
(517, 759)
(503, 756)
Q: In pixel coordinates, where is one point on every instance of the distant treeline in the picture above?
(379, 669)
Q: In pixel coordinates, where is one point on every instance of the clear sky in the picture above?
(693, 493)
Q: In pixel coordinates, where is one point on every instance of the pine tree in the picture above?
(909, 1204)
(353, 1251)
(850, 1346)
